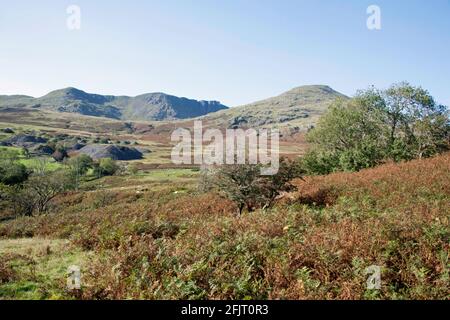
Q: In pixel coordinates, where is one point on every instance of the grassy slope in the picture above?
(315, 244)
(300, 106)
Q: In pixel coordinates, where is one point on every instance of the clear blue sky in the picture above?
(235, 51)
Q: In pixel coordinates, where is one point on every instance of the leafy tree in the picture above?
(416, 123)
(400, 123)
(11, 170)
(36, 194)
(105, 167)
(13, 173)
(79, 166)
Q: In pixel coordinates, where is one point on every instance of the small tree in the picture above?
(247, 188)
(39, 190)
(79, 166)
(26, 153)
(105, 167)
(11, 170)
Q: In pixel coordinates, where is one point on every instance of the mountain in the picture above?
(301, 106)
(151, 106)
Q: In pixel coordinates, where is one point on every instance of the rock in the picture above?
(114, 152)
(23, 140)
(75, 147)
(8, 130)
(43, 150)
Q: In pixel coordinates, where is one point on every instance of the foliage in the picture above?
(401, 123)
(313, 244)
(247, 187)
(11, 170)
(34, 196)
(106, 167)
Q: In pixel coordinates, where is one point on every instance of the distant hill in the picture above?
(301, 106)
(151, 106)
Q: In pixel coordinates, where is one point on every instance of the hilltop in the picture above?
(150, 106)
(301, 106)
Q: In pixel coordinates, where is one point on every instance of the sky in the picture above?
(233, 51)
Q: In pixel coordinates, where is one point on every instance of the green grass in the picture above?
(11, 149)
(164, 174)
(43, 274)
(51, 165)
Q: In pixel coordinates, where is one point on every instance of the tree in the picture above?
(348, 137)
(11, 170)
(79, 166)
(105, 167)
(26, 153)
(39, 190)
(13, 173)
(400, 123)
(247, 188)
(418, 126)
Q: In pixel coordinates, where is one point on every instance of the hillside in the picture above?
(301, 106)
(151, 106)
(315, 244)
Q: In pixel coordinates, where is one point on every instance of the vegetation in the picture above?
(149, 232)
(12, 172)
(314, 244)
(400, 123)
(105, 167)
(247, 188)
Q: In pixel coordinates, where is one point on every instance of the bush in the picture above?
(11, 170)
(247, 188)
(13, 173)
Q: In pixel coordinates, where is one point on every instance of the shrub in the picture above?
(11, 170)
(246, 187)
(13, 173)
